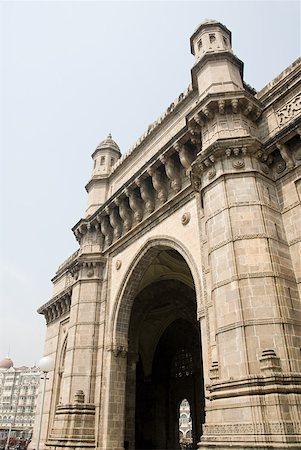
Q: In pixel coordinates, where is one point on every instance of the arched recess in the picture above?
(130, 283)
(60, 374)
(160, 294)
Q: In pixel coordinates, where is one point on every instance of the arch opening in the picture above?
(164, 364)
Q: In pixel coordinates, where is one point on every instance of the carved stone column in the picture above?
(147, 194)
(115, 221)
(136, 204)
(173, 173)
(159, 184)
(185, 155)
(106, 230)
(125, 213)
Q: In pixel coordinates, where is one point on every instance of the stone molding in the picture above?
(56, 307)
(246, 237)
(276, 382)
(233, 102)
(241, 204)
(252, 322)
(245, 276)
(73, 426)
(88, 266)
(251, 428)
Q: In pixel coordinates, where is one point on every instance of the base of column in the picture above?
(73, 426)
(256, 412)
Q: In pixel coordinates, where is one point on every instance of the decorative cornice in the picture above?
(57, 306)
(255, 385)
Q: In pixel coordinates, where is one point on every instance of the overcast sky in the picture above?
(71, 73)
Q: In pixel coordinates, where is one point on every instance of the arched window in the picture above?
(185, 424)
(182, 364)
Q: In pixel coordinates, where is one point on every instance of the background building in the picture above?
(18, 396)
(186, 283)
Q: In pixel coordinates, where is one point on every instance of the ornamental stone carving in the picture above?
(115, 221)
(106, 230)
(269, 362)
(125, 213)
(186, 156)
(136, 204)
(159, 184)
(79, 397)
(147, 194)
(173, 173)
(290, 110)
(119, 351)
(185, 219)
(284, 152)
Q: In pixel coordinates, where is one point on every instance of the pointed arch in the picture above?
(129, 285)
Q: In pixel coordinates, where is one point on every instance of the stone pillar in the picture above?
(112, 410)
(257, 334)
(74, 420)
(130, 399)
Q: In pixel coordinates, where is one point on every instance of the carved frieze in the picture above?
(290, 111)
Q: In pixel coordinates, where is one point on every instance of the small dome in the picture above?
(208, 22)
(6, 363)
(108, 143)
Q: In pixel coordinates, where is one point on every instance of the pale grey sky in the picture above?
(71, 73)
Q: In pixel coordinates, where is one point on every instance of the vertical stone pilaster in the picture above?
(113, 399)
(83, 327)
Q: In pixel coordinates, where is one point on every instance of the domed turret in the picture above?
(104, 157)
(107, 143)
(6, 363)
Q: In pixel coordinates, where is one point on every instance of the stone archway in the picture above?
(158, 322)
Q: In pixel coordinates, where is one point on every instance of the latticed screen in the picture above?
(182, 364)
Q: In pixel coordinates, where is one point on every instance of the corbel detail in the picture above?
(173, 173)
(136, 204)
(158, 183)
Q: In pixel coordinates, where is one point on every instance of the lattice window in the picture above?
(182, 364)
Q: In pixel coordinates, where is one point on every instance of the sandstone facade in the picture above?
(186, 284)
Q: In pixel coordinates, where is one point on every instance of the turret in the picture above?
(216, 68)
(104, 157)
